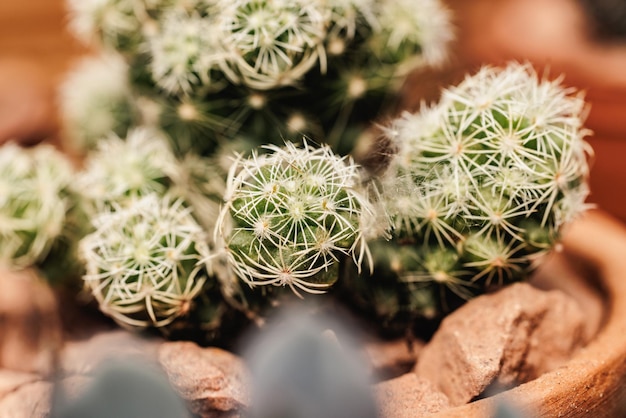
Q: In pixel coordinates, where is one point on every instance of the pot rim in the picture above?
(594, 380)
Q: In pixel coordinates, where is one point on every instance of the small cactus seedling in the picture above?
(291, 215)
(34, 202)
(480, 185)
(146, 262)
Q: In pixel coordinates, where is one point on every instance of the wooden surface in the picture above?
(554, 36)
(35, 52)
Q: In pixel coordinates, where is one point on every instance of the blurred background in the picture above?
(576, 38)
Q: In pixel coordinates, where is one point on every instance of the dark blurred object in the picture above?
(608, 18)
(123, 390)
(506, 410)
(301, 369)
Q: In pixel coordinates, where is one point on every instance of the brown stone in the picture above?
(30, 329)
(211, 380)
(503, 338)
(409, 396)
(11, 380)
(82, 357)
(31, 400)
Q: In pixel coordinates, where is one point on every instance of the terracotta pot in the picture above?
(593, 382)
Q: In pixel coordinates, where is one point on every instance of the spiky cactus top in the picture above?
(123, 169)
(480, 184)
(290, 215)
(92, 109)
(146, 262)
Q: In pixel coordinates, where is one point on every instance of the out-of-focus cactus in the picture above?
(208, 72)
(290, 217)
(34, 202)
(95, 100)
(478, 187)
(146, 262)
(122, 170)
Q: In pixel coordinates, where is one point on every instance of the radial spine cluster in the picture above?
(146, 262)
(291, 214)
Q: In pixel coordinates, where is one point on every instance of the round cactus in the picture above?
(114, 23)
(184, 52)
(34, 196)
(272, 43)
(480, 185)
(96, 100)
(122, 170)
(291, 215)
(409, 29)
(146, 263)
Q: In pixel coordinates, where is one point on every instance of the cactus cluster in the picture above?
(175, 233)
(478, 188)
(210, 72)
(35, 201)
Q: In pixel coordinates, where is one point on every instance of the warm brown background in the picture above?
(33, 30)
(35, 50)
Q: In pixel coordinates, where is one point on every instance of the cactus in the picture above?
(291, 216)
(35, 202)
(92, 110)
(479, 186)
(146, 262)
(121, 170)
(208, 72)
(216, 75)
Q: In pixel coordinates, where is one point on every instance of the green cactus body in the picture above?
(122, 170)
(482, 183)
(96, 100)
(146, 263)
(324, 69)
(293, 214)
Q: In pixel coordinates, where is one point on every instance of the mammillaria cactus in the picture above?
(209, 72)
(121, 170)
(146, 262)
(479, 186)
(291, 215)
(35, 201)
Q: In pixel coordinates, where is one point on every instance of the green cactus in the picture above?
(121, 170)
(213, 76)
(35, 196)
(146, 262)
(479, 186)
(93, 110)
(291, 215)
